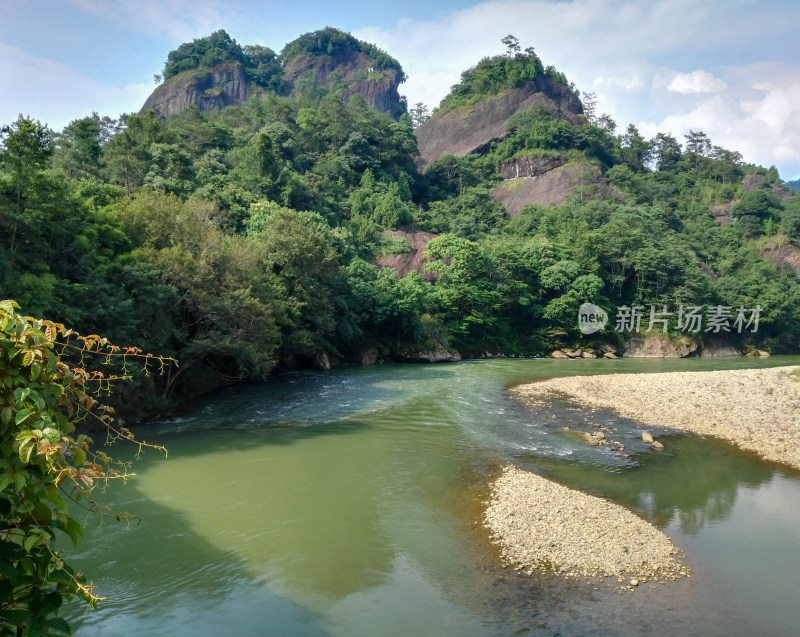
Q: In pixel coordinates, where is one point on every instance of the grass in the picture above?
(393, 245)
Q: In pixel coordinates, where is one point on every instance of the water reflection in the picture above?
(163, 577)
(334, 503)
(695, 484)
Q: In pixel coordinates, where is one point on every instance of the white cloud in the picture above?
(668, 65)
(56, 94)
(181, 20)
(761, 120)
(696, 82)
(627, 83)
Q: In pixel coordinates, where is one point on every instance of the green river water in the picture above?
(348, 503)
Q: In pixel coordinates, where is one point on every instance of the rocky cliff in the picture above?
(466, 130)
(413, 257)
(223, 85)
(348, 72)
(551, 186)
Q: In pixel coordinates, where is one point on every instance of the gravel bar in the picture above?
(542, 525)
(756, 409)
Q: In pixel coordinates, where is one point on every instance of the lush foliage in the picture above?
(209, 51)
(240, 241)
(330, 41)
(45, 390)
(494, 74)
(263, 66)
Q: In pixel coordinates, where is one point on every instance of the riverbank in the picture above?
(540, 524)
(756, 409)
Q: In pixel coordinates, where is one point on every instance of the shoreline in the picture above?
(542, 525)
(756, 409)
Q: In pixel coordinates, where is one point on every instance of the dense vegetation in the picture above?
(45, 391)
(495, 74)
(333, 42)
(263, 66)
(240, 241)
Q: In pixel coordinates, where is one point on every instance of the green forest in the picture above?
(241, 241)
(213, 247)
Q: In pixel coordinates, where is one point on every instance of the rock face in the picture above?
(722, 212)
(659, 346)
(466, 130)
(784, 254)
(412, 258)
(718, 347)
(353, 69)
(227, 84)
(422, 353)
(530, 166)
(223, 85)
(552, 187)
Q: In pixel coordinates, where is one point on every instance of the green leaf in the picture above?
(11, 550)
(32, 540)
(25, 452)
(20, 479)
(5, 479)
(36, 398)
(59, 624)
(23, 414)
(50, 603)
(80, 456)
(52, 435)
(36, 370)
(6, 414)
(72, 528)
(16, 616)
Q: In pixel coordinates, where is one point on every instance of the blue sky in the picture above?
(728, 67)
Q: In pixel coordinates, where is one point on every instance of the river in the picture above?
(348, 503)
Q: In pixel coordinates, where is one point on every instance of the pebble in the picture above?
(730, 404)
(540, 524)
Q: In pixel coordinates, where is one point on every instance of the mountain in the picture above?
(496, 105)
(793, 185)
(473, 127)
(215, 72)
(296, 226)
(225, 84)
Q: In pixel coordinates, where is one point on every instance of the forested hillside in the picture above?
(240, 241)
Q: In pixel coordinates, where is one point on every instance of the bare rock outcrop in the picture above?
(434, 352)
(223, 85)
(353, 70)
(552, 187)
(753, 182)
(783, 254)
(660, 346)
(412, 258)
(530, 166)
(468, 129)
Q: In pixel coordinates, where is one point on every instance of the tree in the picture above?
(25, 147)
(512, 43)
(419, 114)
(45, 392)
(589, 101)
(635, 150)
(698, 146)
(667, 151)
